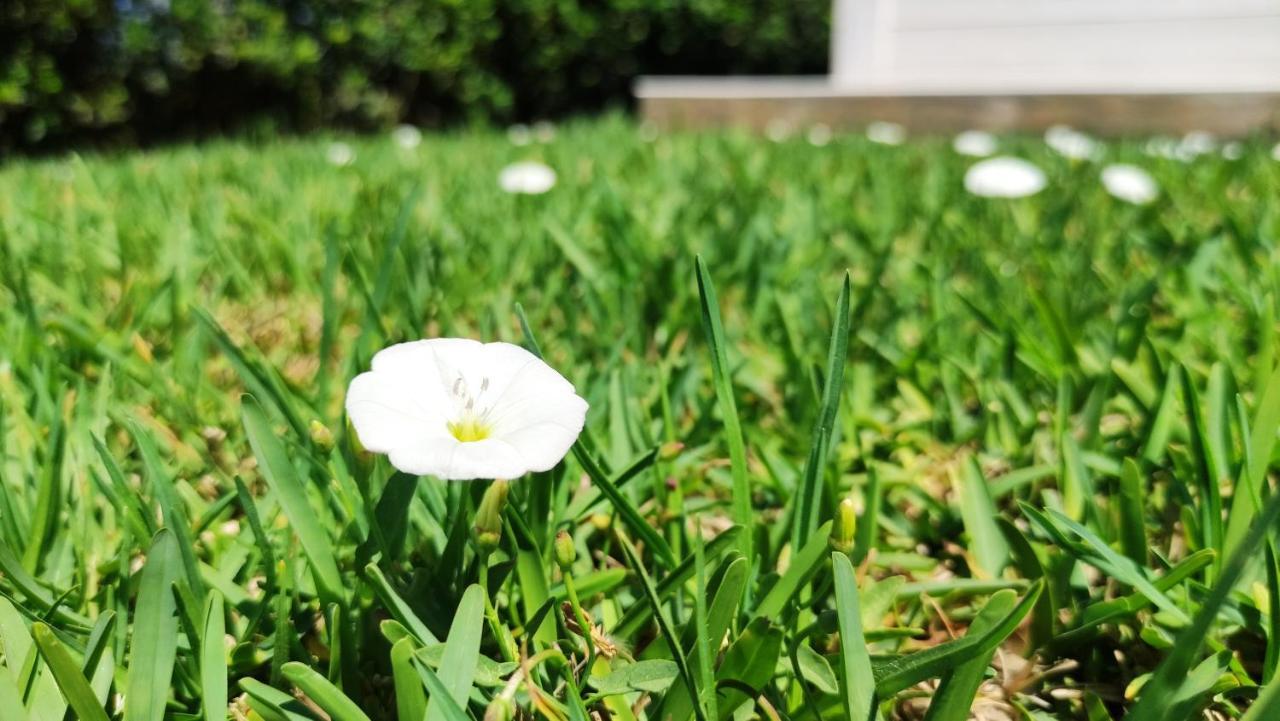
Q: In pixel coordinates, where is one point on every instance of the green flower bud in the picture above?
(565, 552)
(321, 435)
(844, 527)
(500, 709)
(488, 524)
(670, 450)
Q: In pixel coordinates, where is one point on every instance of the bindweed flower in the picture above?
(1070, 143)
(819, 135)
(459, 409)
(974, 143)
(519, 134)
(527, 178)
(1166, 148)
(406, 136)
(886, 133)
(544, 131)
(1004, 177)
(340, 154)
(1196, 143)
(778, 130)
(1130, 183)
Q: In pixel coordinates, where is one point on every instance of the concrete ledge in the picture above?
(754, 103)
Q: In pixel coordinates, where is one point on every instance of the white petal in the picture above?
(1071, 143)
(406, 136)
(1130, 183)
(528, 178)
(976, 143)
(886, 133)
(539, 414)
(819, 135)
(452, 460)
(1004, 177)
(394, 410)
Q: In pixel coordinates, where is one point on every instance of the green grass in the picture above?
(1055, 418)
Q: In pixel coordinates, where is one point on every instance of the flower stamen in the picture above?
(470, 429)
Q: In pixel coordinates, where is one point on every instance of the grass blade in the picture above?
(283, 478)
(978, 511)
(75, 687)
(664, 622)
(858, 680)
(722, 377)
(155, 632)
(811, 486)
(461, 652)
(324, 694)
(213, 659)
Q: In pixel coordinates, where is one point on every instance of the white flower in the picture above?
(1004, 177)
(519, 134)
(544, 131)
(1161, 148)
(1196, 143)
(819, 135)
(527, 178)
(459, 409)
(976, 143)
(1233, 150)
(406, 136)
(1070, 143)
(340, 154)
(778, 130)
(886, 133)
(1130, 183)
(1275, 152)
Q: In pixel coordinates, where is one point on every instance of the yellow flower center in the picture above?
(470, 429)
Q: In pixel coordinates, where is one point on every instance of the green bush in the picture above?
(143, 70)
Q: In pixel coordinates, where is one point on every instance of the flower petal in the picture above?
(453, 460)
(540, 415)
(393, 410)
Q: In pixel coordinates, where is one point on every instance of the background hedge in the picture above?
(145, 70)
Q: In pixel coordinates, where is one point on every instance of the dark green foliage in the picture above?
(144, 70)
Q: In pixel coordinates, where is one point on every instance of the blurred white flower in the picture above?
(459, 409)
(519, 134)
(819, 134)
(1275, 152)
(1233, 150)
(649, 132)
(1166, 148)
(1004, 177)
(527, 178)
(1196, 143)
(1130, 183)
(406, 136)
(976, 143)
(778, 130)
(1070, 143)
(886, 133)
(340, 154)
(544, 131)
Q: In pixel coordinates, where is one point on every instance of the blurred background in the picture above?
(101, 72)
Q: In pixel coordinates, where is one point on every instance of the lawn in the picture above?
(857, 439)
